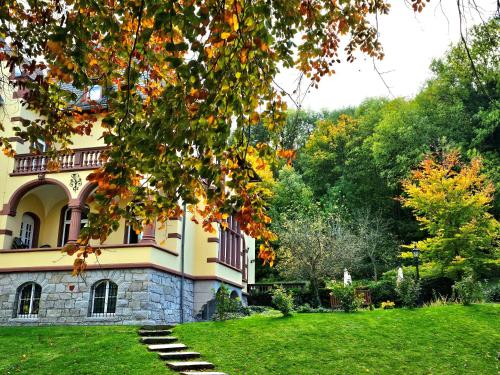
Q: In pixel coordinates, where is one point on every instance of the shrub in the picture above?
(408, 292)
(492, 293)
(346, 295)
(225, 306)
(258, 309)
(383, 290)
(467, 290)
(306, 308)
(260, 299)
(282, 300)
(387, 305)
(435, 285)
(438, 300)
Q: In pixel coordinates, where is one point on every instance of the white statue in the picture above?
(347, 278)
(400, 277)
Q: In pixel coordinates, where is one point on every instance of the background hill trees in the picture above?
(354, 162)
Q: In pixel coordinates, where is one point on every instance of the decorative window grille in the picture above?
(231, 243)
(28, 301)
(104, 294)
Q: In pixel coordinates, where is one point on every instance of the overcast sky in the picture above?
(410, 43)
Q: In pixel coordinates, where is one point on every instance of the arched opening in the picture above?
(28, 301)
(234, 295)
(35, 221)
(103, 299)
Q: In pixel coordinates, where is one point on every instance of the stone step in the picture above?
(202, 373)
(158, 339)
(155, 332)
(180, 366)
(157, 327)
(178, 355)
(166, 347)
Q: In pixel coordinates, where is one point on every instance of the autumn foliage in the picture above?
(180, 78)
(451, 200)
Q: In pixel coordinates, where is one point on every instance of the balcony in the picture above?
(80, 159)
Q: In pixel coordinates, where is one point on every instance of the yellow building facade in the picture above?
(156, 277)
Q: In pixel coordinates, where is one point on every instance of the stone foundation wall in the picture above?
(144, 296)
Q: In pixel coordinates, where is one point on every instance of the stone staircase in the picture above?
(177, 357)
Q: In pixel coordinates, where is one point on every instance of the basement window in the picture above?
(28, 300)
(104, 295)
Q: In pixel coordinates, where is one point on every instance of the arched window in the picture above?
(28, 300)
(66, 222)
(104, 298)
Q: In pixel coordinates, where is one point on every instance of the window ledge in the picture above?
(24, 320)
(113, 318)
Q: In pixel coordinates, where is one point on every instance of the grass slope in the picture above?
(439, 340)
(107, 350)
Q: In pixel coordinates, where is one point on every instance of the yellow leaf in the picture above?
(225, 35)
(236, 25)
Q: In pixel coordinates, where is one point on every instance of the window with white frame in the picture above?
(66, 223)
(104, 294)
(131, 236)
(27, 230)
(28, 300)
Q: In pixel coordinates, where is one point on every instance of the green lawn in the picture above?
(439, 340)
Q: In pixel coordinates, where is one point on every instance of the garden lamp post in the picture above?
(416, 254)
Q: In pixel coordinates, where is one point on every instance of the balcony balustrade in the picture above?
(80, 159)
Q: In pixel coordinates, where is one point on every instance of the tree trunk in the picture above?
(374, 265)
(315, 293)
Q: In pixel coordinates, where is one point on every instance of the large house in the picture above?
(153, 277)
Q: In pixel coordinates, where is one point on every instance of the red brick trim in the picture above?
(118, 246)
(16, 139)
(213, 239)
(175, 235)
(86, 191)
(6, 232)
(10, 208)
(216, 278)
(120, 266)
(217, 260)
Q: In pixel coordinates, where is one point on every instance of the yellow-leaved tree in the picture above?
(451, 200)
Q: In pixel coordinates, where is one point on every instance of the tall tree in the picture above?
(179, 78)
(451, 201)
(314, 248)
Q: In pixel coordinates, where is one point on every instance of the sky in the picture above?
(410, 41)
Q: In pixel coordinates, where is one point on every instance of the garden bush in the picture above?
(260, 299)
(387, 305)
(258, 309)
(306, 308)
(468, 290)
(346, 295)
(492, 293)
(227, 307)
(408, 291)
(282, 301)
(435, 285)
(383, 290)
